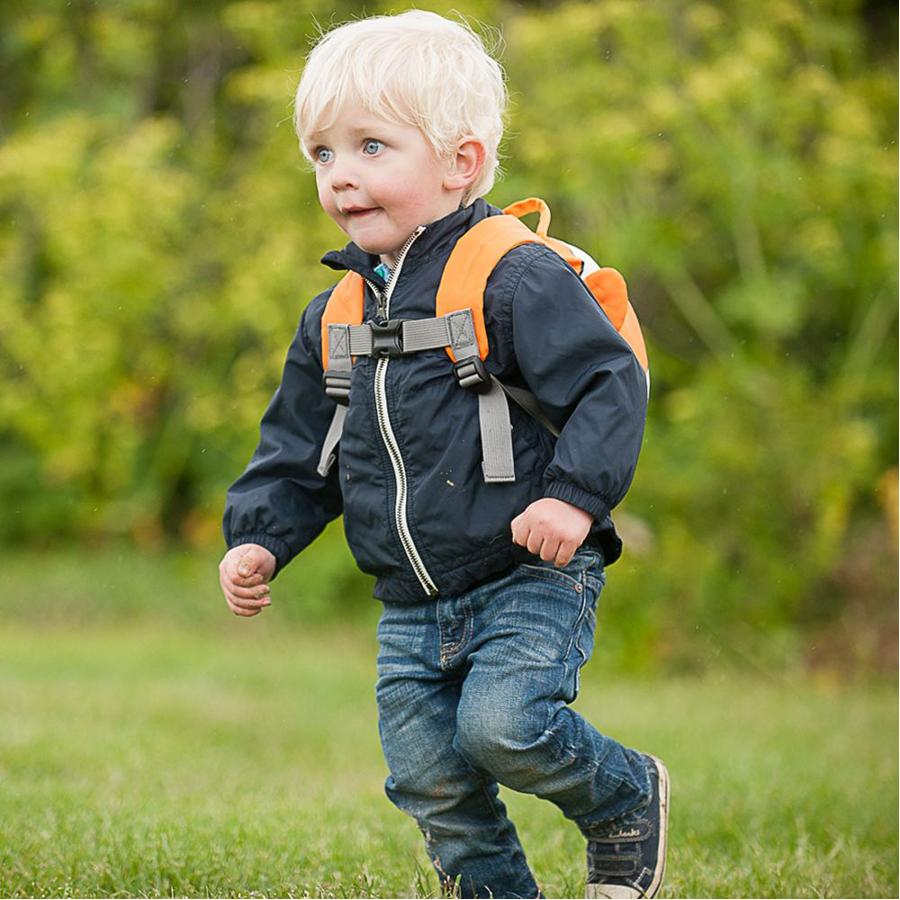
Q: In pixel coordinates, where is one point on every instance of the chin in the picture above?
(375, 249)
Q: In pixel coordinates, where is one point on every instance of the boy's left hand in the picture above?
(552, 529)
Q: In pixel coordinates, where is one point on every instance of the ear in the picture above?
(465, 165)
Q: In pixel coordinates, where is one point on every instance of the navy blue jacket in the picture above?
(546, 333)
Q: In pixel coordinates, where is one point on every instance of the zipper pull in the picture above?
(385, 273)
(380, 301)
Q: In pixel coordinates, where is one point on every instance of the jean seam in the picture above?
(490, 801)
(468, 626)
(573, 641)
(579, 628)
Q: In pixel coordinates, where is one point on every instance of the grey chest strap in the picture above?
(401, 337)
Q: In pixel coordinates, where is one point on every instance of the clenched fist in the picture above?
(552, 529)
(244, 574)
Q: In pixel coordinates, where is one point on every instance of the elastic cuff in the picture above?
(564, 490)
(274, 545)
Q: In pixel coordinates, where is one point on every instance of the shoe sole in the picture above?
(663, 826)
(620, 892)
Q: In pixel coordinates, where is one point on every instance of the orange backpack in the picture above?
(459, 302)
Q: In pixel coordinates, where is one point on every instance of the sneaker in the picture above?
(627, 858)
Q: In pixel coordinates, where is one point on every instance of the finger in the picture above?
(253, 580)
(244, 613)
(238, 610)
(535, 540)
(250, 602)
(230, 571)
(564, 554)
(519, 534)
(254, 593)
(234, 586)
(243, 597)
(245, 605)
(549, 549)
(248, 564)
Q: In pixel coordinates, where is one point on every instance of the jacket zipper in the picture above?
(387, 432)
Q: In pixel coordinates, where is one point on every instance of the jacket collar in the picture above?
(442, 233)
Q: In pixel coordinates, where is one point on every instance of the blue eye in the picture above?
(371, 147)
(322, 155)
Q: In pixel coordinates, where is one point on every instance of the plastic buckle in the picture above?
(337, 387)
(387, 339)
(472, 374)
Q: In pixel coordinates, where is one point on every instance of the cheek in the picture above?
(391, 185)
(402, 198)
(326, 199)
(421, 196)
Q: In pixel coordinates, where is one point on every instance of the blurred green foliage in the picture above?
(159, 237)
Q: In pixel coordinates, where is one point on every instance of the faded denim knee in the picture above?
(510, 744)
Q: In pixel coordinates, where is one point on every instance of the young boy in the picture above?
(488, 585)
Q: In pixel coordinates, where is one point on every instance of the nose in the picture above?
(341, 175)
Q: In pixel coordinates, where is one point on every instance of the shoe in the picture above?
(627, 858)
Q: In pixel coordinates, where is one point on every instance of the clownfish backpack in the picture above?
(458, 326)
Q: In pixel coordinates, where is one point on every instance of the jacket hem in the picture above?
(450, 582)
(483, 567)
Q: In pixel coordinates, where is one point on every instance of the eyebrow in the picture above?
(357, 131)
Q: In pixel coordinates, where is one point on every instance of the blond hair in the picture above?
(416, 68)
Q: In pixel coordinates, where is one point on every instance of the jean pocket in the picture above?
(574, 574)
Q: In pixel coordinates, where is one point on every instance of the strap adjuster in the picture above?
(472, 374)
(337, 387)
(387, 339)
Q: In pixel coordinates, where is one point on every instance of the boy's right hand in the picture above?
(244, 574)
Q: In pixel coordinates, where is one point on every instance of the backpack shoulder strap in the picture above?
(344, 307)
(477, 253)
(474, 257)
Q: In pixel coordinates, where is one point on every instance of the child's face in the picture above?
(379, 180)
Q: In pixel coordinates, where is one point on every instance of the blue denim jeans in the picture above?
(474, 690)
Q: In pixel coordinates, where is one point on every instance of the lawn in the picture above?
(158, 758)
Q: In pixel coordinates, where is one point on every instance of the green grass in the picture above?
(153, 758)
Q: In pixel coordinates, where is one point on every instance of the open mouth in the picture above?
(360, 213)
